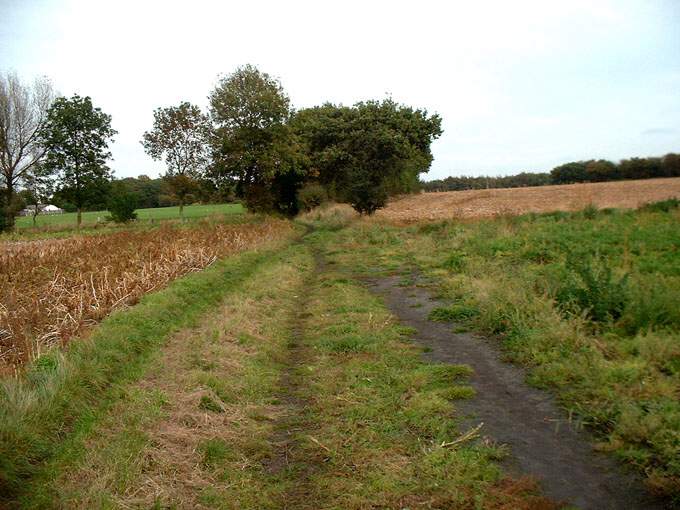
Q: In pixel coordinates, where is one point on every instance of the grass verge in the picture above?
(194, 431)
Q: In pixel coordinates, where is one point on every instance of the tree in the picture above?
(670, 165)
(38, 188)
(122, 205)
(601, 171)
(368, 152)
(76, 138)
(23, 112)
(569, 172)
(180, 134)
(253, 146)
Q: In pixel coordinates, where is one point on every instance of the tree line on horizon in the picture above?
(251, 145)
(569, 173)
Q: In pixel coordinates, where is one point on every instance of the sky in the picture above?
(520, 85)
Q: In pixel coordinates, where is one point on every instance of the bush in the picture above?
(311, 195)
(662, 205)
(366, 198)
(122, 207)
(592, 288)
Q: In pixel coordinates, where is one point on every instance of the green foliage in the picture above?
(365, 153)
(122, 207)
(459, 183)
(591, 287)
(180, 136)
(311, 195)
(459, 312)
(208, 404)
(455, 262)
(603, 170)
(590, 212)
(662, 205)
(576, 171)
(76, 137)
(213, 452)
(254, 146)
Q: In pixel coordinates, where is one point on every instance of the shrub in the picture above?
(311, 195)
(591, 287)
(122, 207)
(662, 205)
(367, 197)
(589, 212)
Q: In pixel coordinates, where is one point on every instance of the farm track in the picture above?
(544, 443)
(288, 429)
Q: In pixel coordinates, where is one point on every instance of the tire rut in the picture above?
(285, 463)
(543, 441)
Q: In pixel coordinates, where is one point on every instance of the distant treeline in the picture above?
(147, 192)
(599, 170)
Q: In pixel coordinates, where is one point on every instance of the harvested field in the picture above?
(513, 201)
(51, 289)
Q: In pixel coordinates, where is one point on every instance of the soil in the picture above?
(544, 442)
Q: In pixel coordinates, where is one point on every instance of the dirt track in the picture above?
(543, 442)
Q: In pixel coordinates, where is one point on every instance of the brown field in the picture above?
(51, 289)
(512, 201)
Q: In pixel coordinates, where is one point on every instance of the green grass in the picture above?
(45, 416)
(155, 214)
(587, 300)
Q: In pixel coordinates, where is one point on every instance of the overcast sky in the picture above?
(521, 85)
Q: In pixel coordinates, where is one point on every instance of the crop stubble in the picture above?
(50, 290)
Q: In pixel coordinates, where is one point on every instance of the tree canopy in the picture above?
(367, 152)
(253, 143)
(23, 112)
(180, 136)
(76, 137)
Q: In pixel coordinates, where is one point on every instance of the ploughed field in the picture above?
(513, 201)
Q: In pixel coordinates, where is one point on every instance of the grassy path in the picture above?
(298, 390)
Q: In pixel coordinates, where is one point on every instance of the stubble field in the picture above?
(513, 201)
(51, 289)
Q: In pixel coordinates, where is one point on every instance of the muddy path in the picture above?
(543, 442)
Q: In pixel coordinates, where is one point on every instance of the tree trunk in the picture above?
(181, 208)
(80, 218)
(9, 212)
